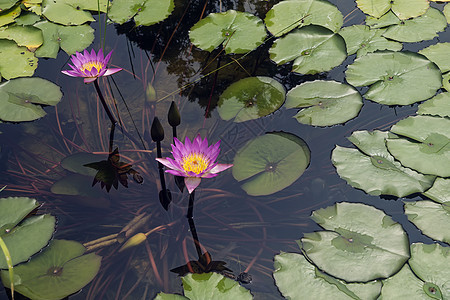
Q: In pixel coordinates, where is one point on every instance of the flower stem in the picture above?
(191, 205)
(102, 100)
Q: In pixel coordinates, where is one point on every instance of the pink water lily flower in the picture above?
(90, 65)
(194, 161)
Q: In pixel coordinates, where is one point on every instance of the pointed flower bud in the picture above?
(174, 115)
(133, 241)
(157, 131)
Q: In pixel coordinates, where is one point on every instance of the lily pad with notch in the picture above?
(324, 103)
(314, 49)
(439, 192)
(374, 170)
(239, 32)
(59, 271)
(287, 15)
(145, 12)
(360, 243)
(251, 98)
(27, 36)
(23, 236)
(22, 100)
(8, 16)
(425, 146)
(16, 61)
(439, 105)
(403, 9)
(65, 12)
(438, 53)
(296, 277)
(270, 163)
(385, 20)
(395, 78)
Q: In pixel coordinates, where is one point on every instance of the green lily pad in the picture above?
(95, 6)
(239, 32)
(385, 20)
(145, 12)
(313, 49)
(361, 243)
(270, 163)
(361, 39)
(8, 16)
(404, 9)
(295, 277)
(69, 38)
(251, 98)
(16, 61)
(76, 163)
(446, 81)
(287, 15)
(27, 238)
(27, 18)
(439, 105)
(374, 170)
(27, 36)
(439, 192)
(324, 103)
(164, 296)
(418, 29)
(427, 147)
(21, 99)
(438, 54)
(432, 218)
(65, 13)
(446, 11)
(60, 270)
(7, 4)
(395, 78)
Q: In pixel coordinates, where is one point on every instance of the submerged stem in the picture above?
(102, 100)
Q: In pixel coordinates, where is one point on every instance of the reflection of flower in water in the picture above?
(194, 161)
(90, 65)
(112, 171)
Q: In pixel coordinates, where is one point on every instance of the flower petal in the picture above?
(220, 167)
(176, 173)
(191, 183)
(167, 162)
(111, 71)
(89, 79)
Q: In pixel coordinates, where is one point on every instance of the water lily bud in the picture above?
(174, 115)
(157, 130)
(133, 241)
(150, 93)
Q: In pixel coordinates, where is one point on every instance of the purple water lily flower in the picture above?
(194, 161)
(90, 65)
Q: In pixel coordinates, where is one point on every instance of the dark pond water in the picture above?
(243, 231)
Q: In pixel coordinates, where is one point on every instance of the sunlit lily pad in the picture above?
(374, 170)
(69, 38)
(145, 12)
(22, 100)
(432, 218)
(27, 238)
(324, 103)
(439, 105)
(287, 15)
(270, 163)
(7, 4)
(76, 163)
(16, 61)
(211, 286)
(446, 81)
(60, 270)
(251, 98)
(438, 53)
(65, 13)
(385, 20)
(395, 78)
(313, 49)
(427, 147)
(422, 28)
(94, 6)
(8, 16)
(360, 39)
(295, 277)
(440, 191)
(361, 243)
(447, 12)
(27, 36)
(404, 9)
(239, 32)
(34, 6)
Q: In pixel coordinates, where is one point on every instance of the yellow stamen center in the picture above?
(91, 64)
(195, 162)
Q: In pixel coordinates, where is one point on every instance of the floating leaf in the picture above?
(295, 277)
(404, 9)
(239, 32)
(27, 238)
(21, 99)
(69, 38)
(385, 20)
(325, 103)
(422, 28)
(27, 18)
(98, 5)
(145, 12)
(374, 170)
(8, 16)
(439, 105)
(395, 78)
(361, 243)
(27, 36)
(361, 39)
(76, 163)
(16, 61)
(438, 53)
(270, 163)
(287, 15)
(446, 12)
(432, 218)
(439, 192)
(313, 49)
(60, 270)
(251, 98)
(446, 81)
(76, 185)
(427, 147)
(7, 4)
(65, 13)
